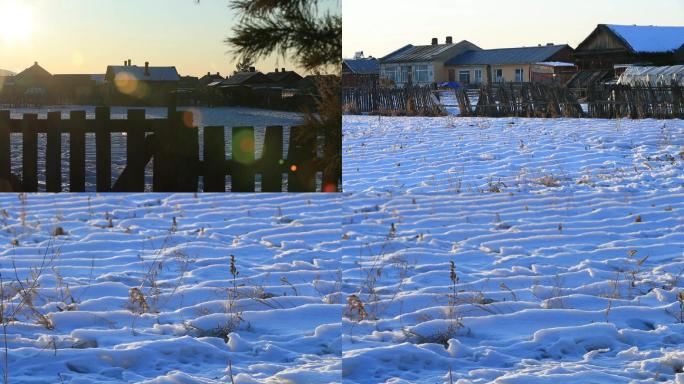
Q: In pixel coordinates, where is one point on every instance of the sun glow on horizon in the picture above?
(17, 25)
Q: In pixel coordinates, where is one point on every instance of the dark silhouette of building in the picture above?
(131, 85)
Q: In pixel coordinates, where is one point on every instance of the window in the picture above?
(391, 73)
(498, 75)
(464, 77)
(421, 74)
(478, 76)
(519, 75)
(405, 74)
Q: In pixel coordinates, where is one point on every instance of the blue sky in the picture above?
(84, 36)
(378, 27)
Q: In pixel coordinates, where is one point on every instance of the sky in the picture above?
(379, 27)
(84, 36)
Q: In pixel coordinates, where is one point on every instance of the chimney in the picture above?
(276, 70)
(252, 69)
(450, 40)
(129, 62)
(549, 44)
(208, 73)
(218, 73)
(125, 63)
(283, 70)
(147, 68)
(435, 41)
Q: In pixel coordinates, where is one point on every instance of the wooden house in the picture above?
(519, 65)
(423, 64)
(210, 78)
(609, 45)
(360, 73)
(33, 86)
(284, 78)
(251, 89)
(79, 89)
(131, 85)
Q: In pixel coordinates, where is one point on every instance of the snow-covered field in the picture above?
(562, 288)
(450, 154)
(567, 243)
(226, 116)
(139, 288)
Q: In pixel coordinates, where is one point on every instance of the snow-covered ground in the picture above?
(450, 154)
(226, 116)
(561, 288)
(567, 243)
(139, 288)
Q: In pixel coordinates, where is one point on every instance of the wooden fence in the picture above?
(526, 100)
(173, 145)
(408, 101)
(637, 102)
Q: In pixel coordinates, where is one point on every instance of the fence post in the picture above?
(272, 163)
(242, 164)
(5, 165)
(301, 176)
(135, 151)
(214, 159)
(103, 149)
(53, 153)
(30, 153)
(77, 151)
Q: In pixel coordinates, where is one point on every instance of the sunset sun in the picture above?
(17, 27)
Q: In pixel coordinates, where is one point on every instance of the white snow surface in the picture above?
(561, 288)
(286, 253)
(421, 155)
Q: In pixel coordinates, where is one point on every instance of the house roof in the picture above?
(284, 77)
(649, 38)
(83, 79)
(367, 66)
(33, 71)
(524, 55)
(155, 73)
(413, 53)
(241, 78)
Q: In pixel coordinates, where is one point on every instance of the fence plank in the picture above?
(332, 152)
(242, 170)
(30, 153)
(5, 158)
(53, 153)
(301, 176)
(188, 157)
(103, 149)
(272, 163)
(214, 159)
(77, 150)
(165, 174)
(135, 151)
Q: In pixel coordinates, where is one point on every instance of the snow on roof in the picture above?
(555, 64)
(155, 73)
(650, 38)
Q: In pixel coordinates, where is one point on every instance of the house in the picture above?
(284, 78)
(360, 72)
(84, 89)
(422, 64)
(609, 45)
(250, 89)
(506, 64)
(131, 85)
(33, 86)
(210, 78)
